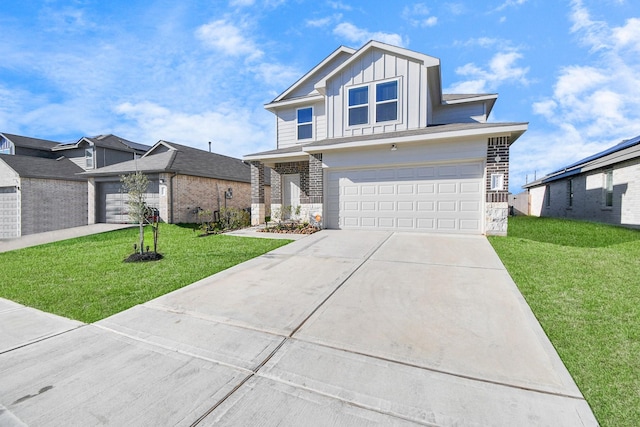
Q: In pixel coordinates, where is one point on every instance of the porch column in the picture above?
(497, 186)
(316, 187)
(257, 193)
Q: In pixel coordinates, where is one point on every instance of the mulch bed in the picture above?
(144, 257)
(290, 229)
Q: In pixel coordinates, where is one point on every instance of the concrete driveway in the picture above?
(338, 328)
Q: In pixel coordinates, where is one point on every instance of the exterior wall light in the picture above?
(394, 147)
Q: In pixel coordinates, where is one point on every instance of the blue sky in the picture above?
(198, 71)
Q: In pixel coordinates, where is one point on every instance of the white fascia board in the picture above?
(426, 60)
(502, 130)
(492, 96)
(280, 157)
(295, 101)
(338, 51)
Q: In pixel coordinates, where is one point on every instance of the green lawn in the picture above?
(582, 282)
(85, 278)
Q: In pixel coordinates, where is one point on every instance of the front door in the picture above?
(290, 194)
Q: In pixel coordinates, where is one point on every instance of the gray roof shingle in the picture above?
(33, 143)
(37, 167)
(171, 157)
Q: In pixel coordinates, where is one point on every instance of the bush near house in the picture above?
(581, 281)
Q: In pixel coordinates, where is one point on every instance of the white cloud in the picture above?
(234, 131)
(593, 106)
(354, 34)
(501, 69)
(277, 75)
(323, 22)
(510, 3)
(339, 5)
(628, 35)
(229, 39)
(419, 15)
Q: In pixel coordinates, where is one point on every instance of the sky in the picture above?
(194, 71)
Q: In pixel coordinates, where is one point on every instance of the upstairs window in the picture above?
(88, 157)
(608, 188)
(359, 106)
(387, 101)
(6, 147)
(305, 123)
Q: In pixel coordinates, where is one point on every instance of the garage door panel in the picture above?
(429, 198)
(9, 213)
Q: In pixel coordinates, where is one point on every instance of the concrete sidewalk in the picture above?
(57, 235)
(337, 328)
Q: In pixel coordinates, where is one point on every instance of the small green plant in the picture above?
(234, 218)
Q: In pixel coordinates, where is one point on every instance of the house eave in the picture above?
(293, 102)
(515, 131)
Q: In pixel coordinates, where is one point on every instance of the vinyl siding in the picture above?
(373, 67)
(287, 125)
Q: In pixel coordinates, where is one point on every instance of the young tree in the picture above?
(135, 184)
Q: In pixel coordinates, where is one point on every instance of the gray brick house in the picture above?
(604, 187)
(182, 179)
(39, 194)
(40, 189)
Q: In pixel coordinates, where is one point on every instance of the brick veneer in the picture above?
(497, 206)
(50, 204)
(498, 147)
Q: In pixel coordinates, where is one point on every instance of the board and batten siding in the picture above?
(374, 66)
(287, 125)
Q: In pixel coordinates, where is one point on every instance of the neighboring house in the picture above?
(367, 140)
(182, 180)
(39, 186)
(24, 146)
(103, 150)
(604, 187)
(39, 194)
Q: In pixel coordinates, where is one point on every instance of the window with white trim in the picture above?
(497, 182)
(387, 101)
(88, 158)
(305, 123)
(608, 188)
(359, 106)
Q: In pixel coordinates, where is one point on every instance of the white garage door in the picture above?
(430, 198)
(9, 211)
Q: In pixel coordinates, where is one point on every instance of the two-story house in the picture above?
(367, 140)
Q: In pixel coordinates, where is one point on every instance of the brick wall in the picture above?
(498, 147)
(190, 192)
(50, 204)
(589, 197)
(497, 201)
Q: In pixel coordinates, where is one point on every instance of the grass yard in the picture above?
(582, 281)
(85, 278)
